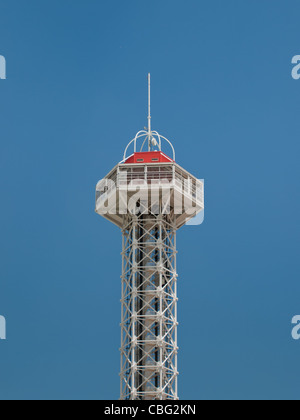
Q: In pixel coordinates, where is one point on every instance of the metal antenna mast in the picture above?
(149, 113)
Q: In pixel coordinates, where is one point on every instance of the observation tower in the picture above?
(149, 197)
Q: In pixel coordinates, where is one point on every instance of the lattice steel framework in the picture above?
(149, 308)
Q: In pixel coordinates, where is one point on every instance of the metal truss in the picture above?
(149, 308)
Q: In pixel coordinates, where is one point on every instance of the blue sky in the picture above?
(75, 94)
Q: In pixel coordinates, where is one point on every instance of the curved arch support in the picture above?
(144, 136)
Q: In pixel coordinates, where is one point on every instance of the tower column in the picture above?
(149, 315)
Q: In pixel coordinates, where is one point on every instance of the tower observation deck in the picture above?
(149, 197)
